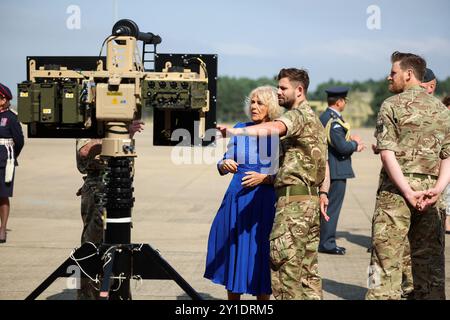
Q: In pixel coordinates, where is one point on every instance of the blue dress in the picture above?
(238, 244)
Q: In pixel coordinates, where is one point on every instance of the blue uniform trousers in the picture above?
(328, 229)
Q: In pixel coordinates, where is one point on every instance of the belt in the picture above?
(6, 141)
(298, 190)
(420, 176)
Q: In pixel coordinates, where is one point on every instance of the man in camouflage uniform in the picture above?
(429, 83)
(413, 136)
(295, 235)
(89, 163)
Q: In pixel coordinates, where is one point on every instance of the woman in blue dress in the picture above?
(238, 244)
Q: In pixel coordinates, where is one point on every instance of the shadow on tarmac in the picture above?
(358, 239)
(344, 290)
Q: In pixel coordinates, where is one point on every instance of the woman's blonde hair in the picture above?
(268, 96)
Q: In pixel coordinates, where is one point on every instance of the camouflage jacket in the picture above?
(303, 153)
(416, 126)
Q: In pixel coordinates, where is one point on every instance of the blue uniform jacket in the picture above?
(10, 128)
(339, 155)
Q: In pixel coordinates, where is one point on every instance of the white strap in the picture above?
(118, 220)
(9, 169)
(6, 142)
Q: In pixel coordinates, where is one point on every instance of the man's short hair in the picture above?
(410, 61)
(295, 75)
(332, 100)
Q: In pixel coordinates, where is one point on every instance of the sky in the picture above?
(345, 40)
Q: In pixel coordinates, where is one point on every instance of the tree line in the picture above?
(231, 94)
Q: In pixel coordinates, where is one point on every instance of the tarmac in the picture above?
(175, 205)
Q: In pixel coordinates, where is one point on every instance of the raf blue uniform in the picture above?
(339, 159)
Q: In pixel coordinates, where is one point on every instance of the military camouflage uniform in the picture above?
(294, 239)
(416, 127)
(90, 213)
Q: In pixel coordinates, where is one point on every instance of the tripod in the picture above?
(116, 260)
(125, 261)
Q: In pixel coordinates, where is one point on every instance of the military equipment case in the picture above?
(184, 117)
(41, 103)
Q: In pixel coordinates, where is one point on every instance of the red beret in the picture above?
(5, 92)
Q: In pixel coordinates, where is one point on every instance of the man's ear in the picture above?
(299, 90)
(409, 74)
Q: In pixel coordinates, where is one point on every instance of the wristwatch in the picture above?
(323, 192)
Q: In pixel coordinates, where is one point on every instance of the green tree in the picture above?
(231, 94)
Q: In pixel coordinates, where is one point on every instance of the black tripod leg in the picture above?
(106, 283)
(155, 257)
(60, 272)
(83, 251)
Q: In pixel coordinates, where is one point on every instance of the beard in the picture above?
(396, 87)
(286, 102)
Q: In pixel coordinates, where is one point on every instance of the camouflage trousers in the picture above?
(294, 242)
(407, 276)
(407, 246)
(92, 230)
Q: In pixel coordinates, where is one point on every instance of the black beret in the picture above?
(5, 92)
(338, 92)
(429, 75)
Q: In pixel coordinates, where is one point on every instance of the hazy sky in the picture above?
(343, 40)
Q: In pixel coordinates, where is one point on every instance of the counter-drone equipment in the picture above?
(98, 97)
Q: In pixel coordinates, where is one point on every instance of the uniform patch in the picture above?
(3, 122)
(380, 126)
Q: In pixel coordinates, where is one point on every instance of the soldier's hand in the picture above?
(136, 126)
(252, 179)
(374, 149)
(323, 200)
(229, 165)
(224, 131)
(415, 198)
(91, 149)
(430, 197)
(361, 147)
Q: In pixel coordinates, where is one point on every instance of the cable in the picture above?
(121, 278)
(201, 62)
(103, 44)
(139, 281)
(96, 280)
(138, 248)
(107, 256)
(203, 65)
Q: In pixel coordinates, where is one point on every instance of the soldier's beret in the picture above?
(429, 75)
(338, 92)
(5, 92)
